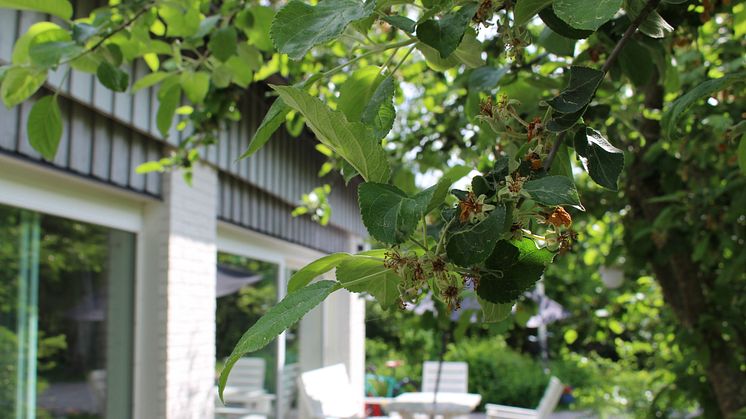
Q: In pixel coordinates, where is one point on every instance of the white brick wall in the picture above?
(175, 356)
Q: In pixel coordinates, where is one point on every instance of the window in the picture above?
(66, 315)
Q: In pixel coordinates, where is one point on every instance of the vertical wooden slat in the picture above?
(141, 112)
(101, 147)
(137, 157)
(119, 170)
(8, 128)
(153, 182)
(81, 133)
(8, 32)
(123, 101)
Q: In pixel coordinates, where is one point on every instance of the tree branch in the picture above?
(553, 151)
(649, 7)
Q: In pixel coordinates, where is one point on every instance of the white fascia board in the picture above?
(33, 187)
(244, 242)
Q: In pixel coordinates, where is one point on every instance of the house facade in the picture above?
(108, 277)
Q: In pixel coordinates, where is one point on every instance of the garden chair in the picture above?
(245, 388)
(326, 393)
(454, 377)
(546, 406)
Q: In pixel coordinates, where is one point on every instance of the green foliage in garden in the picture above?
(503, 89)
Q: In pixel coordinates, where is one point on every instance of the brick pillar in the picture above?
(175, 331)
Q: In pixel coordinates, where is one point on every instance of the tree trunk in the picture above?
(682, 280)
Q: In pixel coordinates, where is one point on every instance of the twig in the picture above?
(553, 151)
(649, 7)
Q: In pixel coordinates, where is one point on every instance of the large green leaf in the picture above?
(280, 317)
(357, 90)
(492, 313)
(169, 97)
(388, 213)
(446, 34)
(365, 274)
(558, 25)
(305, 275)
(298, 27)
(258, 33)
(195, 85)
(679, 107)
(636, 63)
(742, 154)
(379, 113)
(353, 141)
(149, 80)
(44, 126)
(272, 120)
(653, 25)
(468, 53)
(60, 8)
(556, 43)
(20, 83)
(49, 54)
(582, 86)
(564, 121)
(526, 9)
(112, 77)
(511, 269)
(487, 77)
(602, 161)
(586, 14)
(553, 190)
(23, 44)
(404, 23)
(182, 19)
(223, 43)
(470, 244)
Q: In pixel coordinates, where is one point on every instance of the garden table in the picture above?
(448, 405)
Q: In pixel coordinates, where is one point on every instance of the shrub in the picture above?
(500, 374)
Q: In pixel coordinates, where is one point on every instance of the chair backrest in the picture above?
(248, 374)
(289, 386)
(454, 377)
(326, 392)
(550, 398)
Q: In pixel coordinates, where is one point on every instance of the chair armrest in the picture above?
(498, 411)
(383, 401)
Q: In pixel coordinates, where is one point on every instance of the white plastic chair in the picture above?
(546, 406)
(245, 388)
(454, 377)
(326, 393)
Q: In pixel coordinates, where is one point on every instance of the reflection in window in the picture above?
(66, 308)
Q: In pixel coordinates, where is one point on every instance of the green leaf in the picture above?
(112, 77)
(446, 34)
(169, 97)
(602, 161)
(353, 141)
(486, 78)
(433, 196)
(357, 91)
(558, 25)
(223, 43)
(470, 244)
(526, 9)
(180, 20)
(44, 126)
(468, 53)
(365, 274)
(195, 85)
(570, 336)
(564, 121)
(401, 22)
(586, 14)
(511, 269)
(243, 65)
(298, 27)
(20, 83)
(272, 120)
(493, 313)
(636, 63)
(60, 8)
(556, 44)
(553, 190)
(679, 107)
(149, 80)
(583, 84)
(279, 318)
(49, 54)
(315, 269)
(742, 154)
(258, 34)
(379, 113)
(23, 44)
(654, 25)
(388, 213)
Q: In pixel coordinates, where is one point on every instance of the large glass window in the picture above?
(66, 311)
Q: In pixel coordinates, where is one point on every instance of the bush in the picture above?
(500, 374)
